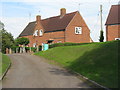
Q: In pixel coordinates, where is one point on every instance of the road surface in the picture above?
(30, 71)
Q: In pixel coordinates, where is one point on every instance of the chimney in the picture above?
(62, 11)
(38, 18)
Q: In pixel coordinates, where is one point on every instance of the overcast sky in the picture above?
(16, 14)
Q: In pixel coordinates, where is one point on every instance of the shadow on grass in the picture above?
(100, 65)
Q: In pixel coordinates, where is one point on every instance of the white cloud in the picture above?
(15, 25)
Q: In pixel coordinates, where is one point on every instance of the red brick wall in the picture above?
(38, 25)
(56, 36)
(70, 35)
(112, 32)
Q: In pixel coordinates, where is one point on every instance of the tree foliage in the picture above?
(101, 36)
(7, 40)
(1, 25)
(22, 41)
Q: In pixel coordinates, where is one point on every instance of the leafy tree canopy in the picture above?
(7, 40)
(22, 41)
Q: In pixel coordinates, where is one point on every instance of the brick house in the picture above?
(113, 24)
(69, 27)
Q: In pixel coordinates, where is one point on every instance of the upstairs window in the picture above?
(78, 30)
(41, 32)
(35, 33)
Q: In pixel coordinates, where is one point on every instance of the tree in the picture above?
(1, 25)
(101, 36)
(22, 41)
(7, 40)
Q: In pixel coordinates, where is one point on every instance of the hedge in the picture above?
(65, 44)
(50, 46)
(26, 48)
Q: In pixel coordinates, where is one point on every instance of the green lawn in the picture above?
(97, 61)
(4, 63)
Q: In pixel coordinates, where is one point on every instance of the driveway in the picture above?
(29, 71)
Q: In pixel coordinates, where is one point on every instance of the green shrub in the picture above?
(65, 44)
(26, 48)
(33, 49)
(14, 48)
(40, 48)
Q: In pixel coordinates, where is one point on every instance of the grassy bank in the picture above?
(4, 63)
(97, 61)
(0, 64)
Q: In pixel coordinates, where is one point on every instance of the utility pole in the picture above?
(29, 16)
(101, 31)
(79, 7)
(39, 12)
(101, 16)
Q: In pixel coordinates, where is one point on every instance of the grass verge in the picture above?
(4, 63)
(97, 61)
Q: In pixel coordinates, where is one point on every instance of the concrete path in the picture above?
(29, 71)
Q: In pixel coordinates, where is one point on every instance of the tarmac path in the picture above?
(30, 71)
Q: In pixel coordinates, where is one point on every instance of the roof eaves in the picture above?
(55, 30)
(113, 24)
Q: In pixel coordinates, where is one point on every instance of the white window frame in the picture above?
(35, 33)
(59, 41)
(117, 38)
(78, 30)
(41, 32)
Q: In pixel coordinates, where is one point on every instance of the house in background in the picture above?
(69, 27)
(113, 24)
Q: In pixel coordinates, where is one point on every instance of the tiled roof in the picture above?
(50, 24)
(113, 17)
(29, 30)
